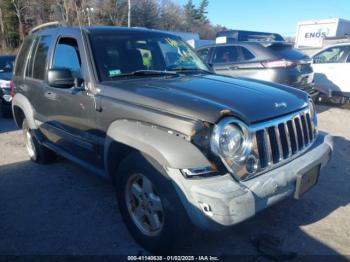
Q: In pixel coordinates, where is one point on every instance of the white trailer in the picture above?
(310, 34)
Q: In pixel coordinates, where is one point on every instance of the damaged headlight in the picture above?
(232, 142)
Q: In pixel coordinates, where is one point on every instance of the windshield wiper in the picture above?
(186, 69)
(147, 73)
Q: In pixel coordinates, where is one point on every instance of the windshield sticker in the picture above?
(114, 72)
(172, 42)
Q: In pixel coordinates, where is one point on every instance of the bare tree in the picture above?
(17, 17)
(20, 6)
(2, 30)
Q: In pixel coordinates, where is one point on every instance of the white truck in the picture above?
(310, 34)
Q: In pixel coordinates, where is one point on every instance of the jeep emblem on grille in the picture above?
(282, 104)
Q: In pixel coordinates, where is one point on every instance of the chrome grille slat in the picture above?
(310, 127)
(279, 144)
(288, 139)
(305, 130)
(267, 145)
(295, 135)
(300, 132)
(277, 141)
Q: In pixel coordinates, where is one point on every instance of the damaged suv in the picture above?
(182, 145)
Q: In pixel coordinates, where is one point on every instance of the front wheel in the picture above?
(149, 205)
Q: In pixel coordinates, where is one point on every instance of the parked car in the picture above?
(6, 68)
(332, 66)
(181, 144)
(270, 61)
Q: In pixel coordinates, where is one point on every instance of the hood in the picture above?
(205, 97)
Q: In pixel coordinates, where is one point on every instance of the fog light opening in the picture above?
(252, 165)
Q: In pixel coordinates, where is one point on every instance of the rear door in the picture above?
(332, 67)
(235, 60)
(33, 86)
(226, 60)
(249, 64)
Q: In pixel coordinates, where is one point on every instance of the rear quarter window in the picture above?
(22, 56)
(38, 60)
(287, 52)
(247, 55)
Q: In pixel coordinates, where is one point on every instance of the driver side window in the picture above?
(67, 56)
(331, 55)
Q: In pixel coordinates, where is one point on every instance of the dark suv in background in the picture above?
(6, 68)
(262, 56)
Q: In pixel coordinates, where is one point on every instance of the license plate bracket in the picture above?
(306, 181)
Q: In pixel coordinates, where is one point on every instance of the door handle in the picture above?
(233, 67)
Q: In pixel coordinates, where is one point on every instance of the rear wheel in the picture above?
(37, 152)
(149, 205)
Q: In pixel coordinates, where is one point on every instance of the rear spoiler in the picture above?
(272, 43)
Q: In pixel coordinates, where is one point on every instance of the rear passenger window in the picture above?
(29, 68)
(67, 56)
(226, 54)
(37, 64)
(22, 56)
(247, 55)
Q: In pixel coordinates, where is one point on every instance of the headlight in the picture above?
(231, 141)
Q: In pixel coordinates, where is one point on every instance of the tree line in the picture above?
(17, 17)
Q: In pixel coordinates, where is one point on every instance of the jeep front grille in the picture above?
(278, 141)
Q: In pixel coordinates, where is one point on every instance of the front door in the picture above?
(71, 112)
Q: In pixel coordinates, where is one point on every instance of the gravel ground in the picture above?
(61, 209)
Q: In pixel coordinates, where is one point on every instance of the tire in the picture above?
(172, 218)
(37, 152)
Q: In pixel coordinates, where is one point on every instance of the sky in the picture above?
(272, 15)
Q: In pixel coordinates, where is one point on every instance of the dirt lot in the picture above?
(61, 209)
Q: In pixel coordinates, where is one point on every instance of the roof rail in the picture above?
(50, 24)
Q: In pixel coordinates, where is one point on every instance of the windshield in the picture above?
(6, 63)
(124, 53)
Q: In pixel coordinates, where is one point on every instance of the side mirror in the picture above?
(60, 78)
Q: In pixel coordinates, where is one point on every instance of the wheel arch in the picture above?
(167, 150)
(21, 109)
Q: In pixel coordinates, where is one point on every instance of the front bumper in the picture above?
(215, 202)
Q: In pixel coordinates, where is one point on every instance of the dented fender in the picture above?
(167, 148)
